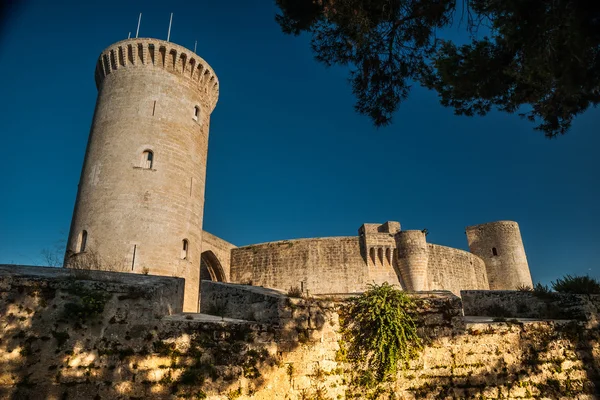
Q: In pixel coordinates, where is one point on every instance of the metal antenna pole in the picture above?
(129, 36)
(195, 45)
(138, 28)
(169, 34)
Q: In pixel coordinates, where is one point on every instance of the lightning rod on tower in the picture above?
(170, 21)
(138, 28)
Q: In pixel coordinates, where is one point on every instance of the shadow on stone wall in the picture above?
(79, 339)
(511, 360)
(73, 338)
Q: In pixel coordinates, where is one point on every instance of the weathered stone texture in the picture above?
(322, 265)
(342, 265)
(128, 349)
(454, 270)
(378, 247)
(413, 255)
(529, 304)
(136, 215)
(500, 246)
(245, 302)
(221, 250)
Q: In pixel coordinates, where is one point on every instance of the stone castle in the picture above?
(140, 201)
(103, 334)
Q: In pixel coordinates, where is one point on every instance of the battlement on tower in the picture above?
(154, 53)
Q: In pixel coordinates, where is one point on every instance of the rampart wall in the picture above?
(344, 264)
(529, 304)
(321, 265)
(454, 270)
(56, 343)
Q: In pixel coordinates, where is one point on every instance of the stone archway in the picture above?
(210, 267)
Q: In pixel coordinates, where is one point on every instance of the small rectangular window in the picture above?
(196, 113)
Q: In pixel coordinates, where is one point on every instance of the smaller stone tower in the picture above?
(500, 246)
(413, 257)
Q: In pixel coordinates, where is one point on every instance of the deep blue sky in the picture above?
(288, 156)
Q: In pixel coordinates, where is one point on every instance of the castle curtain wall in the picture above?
(340, 265)
(323, 265)
(455, 270)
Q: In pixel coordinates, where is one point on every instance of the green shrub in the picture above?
(294, 291)
(577, 285)
(524, 288)
(87, 303)
(542, 291)
(379, 330)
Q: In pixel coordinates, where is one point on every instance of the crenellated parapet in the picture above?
(167, 56)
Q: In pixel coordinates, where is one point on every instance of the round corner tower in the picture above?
(413, 256)
(500, 246)
(140, 200)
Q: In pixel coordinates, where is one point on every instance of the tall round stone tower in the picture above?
(500, 246)
(140, 200)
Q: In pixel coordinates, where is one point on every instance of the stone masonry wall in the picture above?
(244, 302)
(455, 270)
(221, 249)
(529, 304)
(337, 264)
(322, 265)
(378, 244)
(58, 343)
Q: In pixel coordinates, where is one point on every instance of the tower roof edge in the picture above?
(156, 53)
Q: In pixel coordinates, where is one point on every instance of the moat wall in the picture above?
(106, 336)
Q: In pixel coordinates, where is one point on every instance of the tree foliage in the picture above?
(379, 330)
(576, 285)
(536, 57)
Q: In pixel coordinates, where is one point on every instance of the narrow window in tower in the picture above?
(147, 159)
(184, 249)
(494, 251)
(196, 113)
(82, 241)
